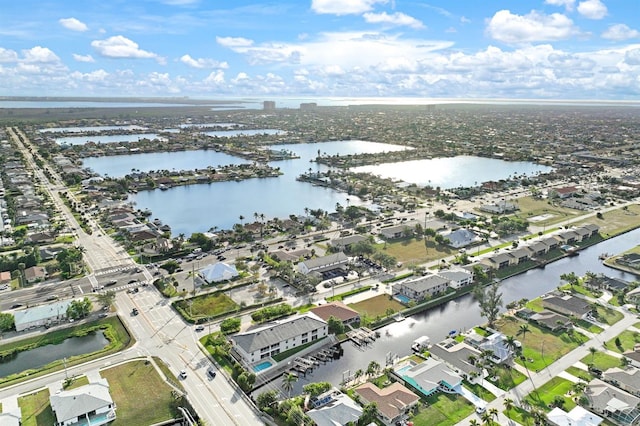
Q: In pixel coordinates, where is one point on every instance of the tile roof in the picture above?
(391, 401)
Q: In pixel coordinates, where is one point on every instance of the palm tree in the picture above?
(288, 379)
(474, 422)
(593, 351)
(493, 412)
(241, 219)
(508, 404)
(373, 368)
(511, 343)
(524, 329)
(486, 418)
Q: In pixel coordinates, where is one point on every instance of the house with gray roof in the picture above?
(325, 263)
(87, 405)
(613, 403)
(551, 320)
(345, 243)
(399, 231)
(578, 416)
(626, 379)
(458, 278)
(456, 355)
(419, 288)
(461, 238)
(38, 316)
(567, 305)
(498, 261)
(538, 248)
(333, 408)
(521, 255)
(278, 336)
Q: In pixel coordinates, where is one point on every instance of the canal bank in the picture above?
(461, 313)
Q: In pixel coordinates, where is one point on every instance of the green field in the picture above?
(377, 306)
(443, 409)
(36, 409)
(207, 305)
(413, 250)
(531, 207)
(546, 393)
(615, 221)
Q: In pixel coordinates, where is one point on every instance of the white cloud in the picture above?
(202, 62)
(121, 47)
(535, 26)
(234, 41)
(620, 32)
(40, 54)
(394, 19)
(83, 58)
(216, 77)
(344, 7)
(568, 4)
(8, 55)
(73, 24)
(592, 9)
(632, 57)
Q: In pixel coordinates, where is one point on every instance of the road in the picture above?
(157, 329)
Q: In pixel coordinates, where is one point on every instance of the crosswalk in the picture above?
(108, 271)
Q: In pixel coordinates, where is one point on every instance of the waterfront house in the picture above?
(333, 408)
(538, 248)
(603, 282)
(218, 272)
(278, 336)
(392, 402)
(345, 243)
(337, 310)
(578, 416)
(457, 278)
(38, 316)
(551, 243)
(34, 274)
(456, 355)
(324, 264)
(568, 305)
(495, 343)
(422, 287)
(627, 379)
(428, 377)
(614, 403)
(568, 237)
(498, 261)
(90, 404)
(551, 320)
(593, 228)
(520, 255)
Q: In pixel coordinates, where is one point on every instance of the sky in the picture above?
(494, 49)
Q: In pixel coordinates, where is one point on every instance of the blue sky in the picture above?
(540, 49)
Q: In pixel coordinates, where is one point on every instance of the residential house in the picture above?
(90, 404)
(633, 296)
(614, 403)
(551, 320)
(278, 336)
(325, 263)
(333, 408)
(568, 237)
(11, 417)
(495, 343)
(5, 277)
(564, 192)
(538, 248)
(520, 255)
(461, 238)
(593, 228)
(603, 282)
(457, 355)
(578, 416)
(345, 243)
(568, 305)
(502, 207)
(633, 356)
(218, 272)
(428, 377)
(457, 278)
(626, 379)
(34, 274)
(422, 287)
(498, 261)
(399, 231)
(337, 310)
(551, 243)
(393, 402)
(631, 260)
(41, 315)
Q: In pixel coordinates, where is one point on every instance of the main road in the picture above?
(158, 330)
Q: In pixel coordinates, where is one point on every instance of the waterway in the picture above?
(463, 313)
(452, 172)
(244, 132)
(81, 140)
(88, 129)
(43, 355)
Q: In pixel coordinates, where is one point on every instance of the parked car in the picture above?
(211, 372)
(183, 374)
(200, 327)
(134, 312)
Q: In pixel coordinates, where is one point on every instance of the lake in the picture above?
(245, 132)
(452, 172)
(89, 129)
(81, 140)
(43, 355)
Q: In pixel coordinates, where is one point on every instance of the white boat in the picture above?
(399, 317)
(421, 343)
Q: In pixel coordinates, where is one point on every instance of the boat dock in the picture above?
(361, 336)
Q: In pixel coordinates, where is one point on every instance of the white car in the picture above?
(183, 374)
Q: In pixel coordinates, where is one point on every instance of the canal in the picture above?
(462, 313)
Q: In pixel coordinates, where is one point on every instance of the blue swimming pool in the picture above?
(262, 366)
(402, 299)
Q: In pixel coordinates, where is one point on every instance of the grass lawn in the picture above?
(628, 339)
(208, 305)
(616, 221)
(36, 409)
(581, 290)
(142, 397)
(508, 378)
(589, 326)
(531, 207)
(412, 250)
(77, 382)
(580, 373)
(602, 361)
(546, 393)
(535, 304)
(520, 415)
(479, 391)
(377, 306)
(608, 315)
(539, 342)
(443, 409)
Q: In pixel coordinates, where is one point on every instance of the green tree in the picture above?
(288, 379)
(373, 368)
(315, 389)
(79, 308)
(571, 278)
(230, 325)
(335, 325)
(524, 329)
(106, 299)
(70, 261)
(369, 414)
(490, 301)
(267, 399)
(7, 321)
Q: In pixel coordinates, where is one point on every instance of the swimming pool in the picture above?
(402, 299)
(262, 366)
